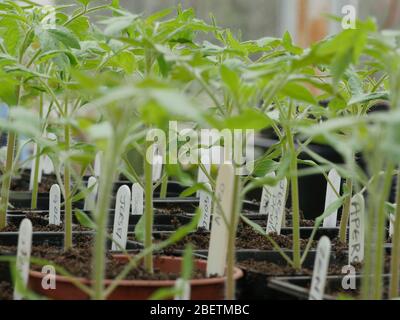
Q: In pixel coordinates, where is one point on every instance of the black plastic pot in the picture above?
(54, 239)
(254, 284)
(297, 288)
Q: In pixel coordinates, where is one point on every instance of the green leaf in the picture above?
(192, 190)
(84, 220)
(248, 119)
(230, 79)
(187, 266)
(80, 27)
(364, 98)
(65, 36)
(298, 92)
(140, 229)
(264, 166)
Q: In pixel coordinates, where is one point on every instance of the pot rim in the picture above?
(238, 273)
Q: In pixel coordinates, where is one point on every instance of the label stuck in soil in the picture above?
(391, 224)
(90, 199)
(321, 264)
(356, 229)
(266, 196)
(55, 205)
(137, 199)
(23, 256)
(205, 204)
(121, 218)
(40, 171)
(332, 196)
(222, 217)
(97, 165)
(157, 167)
(202, 177)
(276, 207)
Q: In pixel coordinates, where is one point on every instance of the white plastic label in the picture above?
(97, 165)
(33, 162)
(55, 205)
(332, 196)
(276, 207)
(90, 199)
(137, 199)
(356, 229)
(183, 287)
(321, 265)
(266, 196)
(23, 255)
(221, 219)
(205, 205)
(391, 224)
(121, 218)
(157, 167)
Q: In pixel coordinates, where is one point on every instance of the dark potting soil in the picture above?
(21, 183)
(6, 291)
(41, 224)
(246, 238)
(77, 261)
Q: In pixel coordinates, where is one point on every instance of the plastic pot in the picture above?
(201, 289)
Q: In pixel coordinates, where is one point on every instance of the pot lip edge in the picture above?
(238, 273)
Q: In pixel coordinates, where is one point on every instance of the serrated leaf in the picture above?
(65, 36)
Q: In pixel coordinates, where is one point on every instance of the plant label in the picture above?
(276, 207)
(137, 199)
(332, 196)
(266, 196)
(23, 257)
(121, 218)
(202, 177)
(222, 217)
(321, 264)
(183, 289)
(157, 167)
(33, 163)
(391, 224)
(55, 205)
(205, 204)
(356, 229)
(90, 199)
(97, 165)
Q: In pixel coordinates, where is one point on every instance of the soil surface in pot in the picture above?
(246, 238)
(21, 183)
(6, 290)
(41, 224)
(77, 261)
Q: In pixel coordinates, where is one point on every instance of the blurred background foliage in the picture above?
(258, 18)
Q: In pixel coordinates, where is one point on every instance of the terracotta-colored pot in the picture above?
(201, 289)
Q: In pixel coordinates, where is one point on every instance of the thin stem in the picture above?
(67, 186)
(395, 259)
(148, 260)
(164, 186)
(37, 164)
(101, 216)
(232, 227)
(346, 211)
(295, 194)
(380, 239)
(5, 187)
